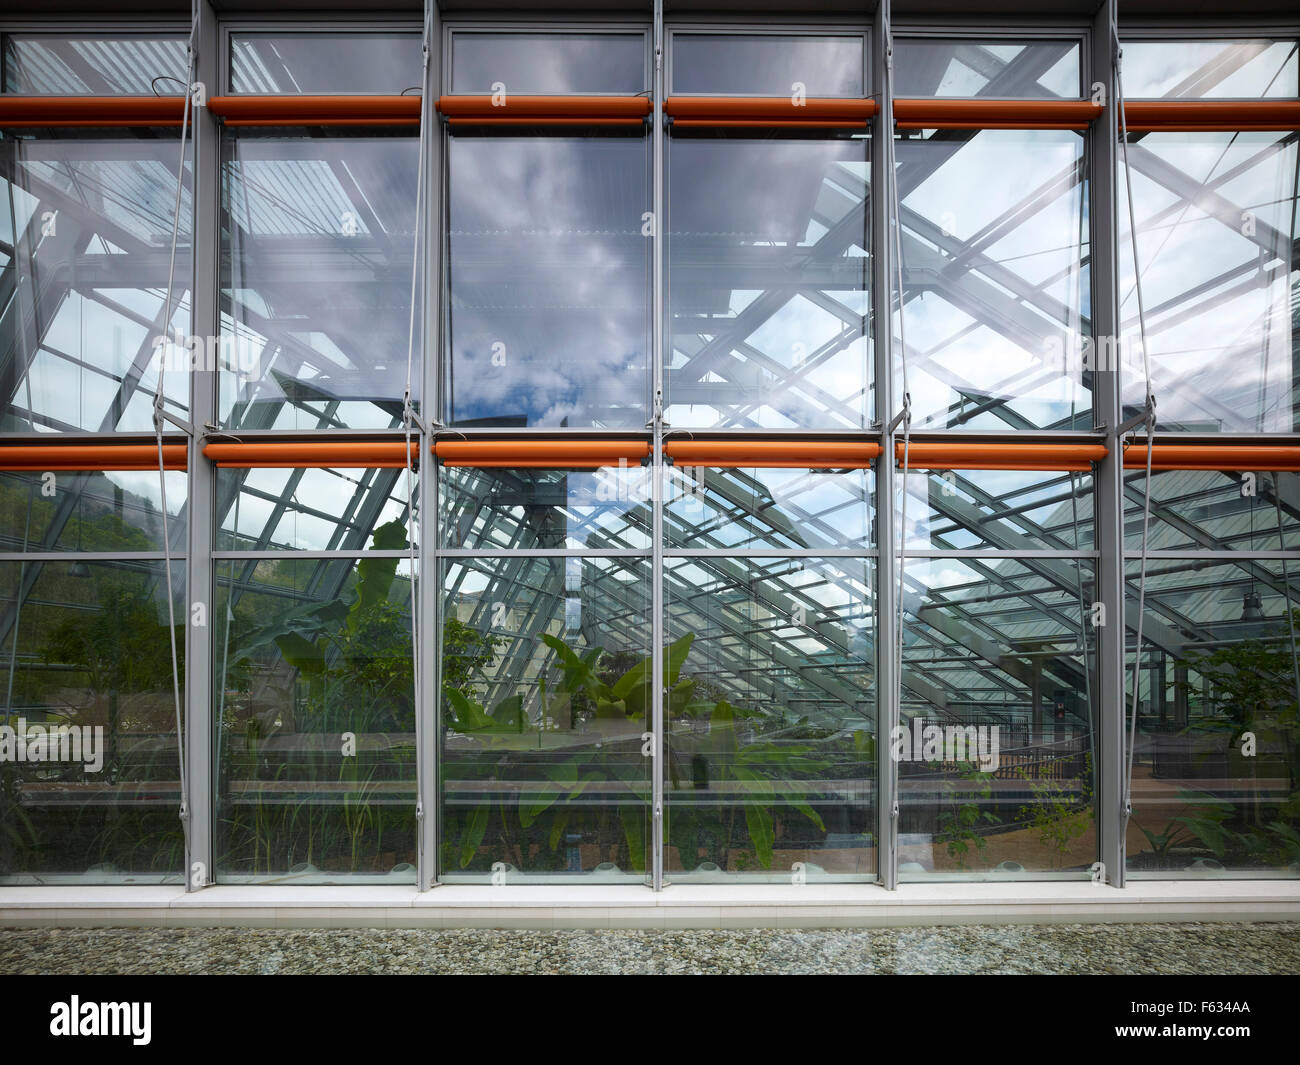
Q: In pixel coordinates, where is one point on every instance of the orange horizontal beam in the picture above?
(1075, 458)
(90, 457)
(776, 454)
(121, 111)
(311, 454)
(545, 110)
(1148, 116)
(541, 454)
(317, 110)
(779, 111)
(979, 113)
(1278, 457)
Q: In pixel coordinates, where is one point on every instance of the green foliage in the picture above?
(963, 814)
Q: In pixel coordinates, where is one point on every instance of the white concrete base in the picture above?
(679, 906)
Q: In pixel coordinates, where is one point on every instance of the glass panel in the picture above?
(39, 64)
(545, 704)
(998, 69)
(80, 340)
(768, 285)
(1245, 69)
(771, 718)
(1008, 510)
(612, 63)
(1216, 220)
(767, 65)
(997, 279)
(325, 63)
(1213, 510)
(116, 511)
(1216, 774)
(533, 508)
(996, 741)
(312, 509)
(548, 322)
(315, 721)
(317, 249)
(738, 509)
(89, 777)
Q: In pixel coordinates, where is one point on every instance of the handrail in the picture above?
(772, 454)
(17, 112)
(309, 454)
(1279, 457)
(90, 458)
(541, 454)
(302, 110)
(979, 113)
(515, 109)
(1073, 458)
(1231, 116)
(728, 112)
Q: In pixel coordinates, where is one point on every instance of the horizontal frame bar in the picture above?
(317, 110)
(18, 112)
(1232, 116)
(504, 110)
(722, 112)
(541, 454)
(796, 454)
(979, 113)
(90, 458)
(1245, 457)
(1066, 458)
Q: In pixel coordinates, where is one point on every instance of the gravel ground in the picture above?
(1102, 949)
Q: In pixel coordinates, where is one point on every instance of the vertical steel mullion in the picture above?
(1108, 411)
(657, 324)
(200, 677)
(428, 621)
(882, 273)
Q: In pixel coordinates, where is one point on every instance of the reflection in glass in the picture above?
(93, 217)
(997, 279)
(996, 69)
(315, 719)
(317, 251)
(87, 658)
(1225, 69)
(107, 65)
(611, 63)
(325, 63)
(1222, 510)
(116, 511)
(1216, 775)
(996, 750)
(548, 317)
(768, 284)
(770, 714)
(545, 700)
(1216, 222)
(767, 64)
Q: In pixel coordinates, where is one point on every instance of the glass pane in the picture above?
(998, 69)
(548, 322)
(607, 508)
(1216, 766)
(81, 339)
(1007, 510)
(116, 511)
(997, 279)
(996, 741)
(1213, 510)
(739, 509)
(611, 63)
(767, 65)
(771, 717)
(313, 509)
(93, 66)
(1245, 69)
(317, 250)
(89, 764)
(768, 284)
(1216, 222)
(325, 63)
(545, 703)
(315, 721)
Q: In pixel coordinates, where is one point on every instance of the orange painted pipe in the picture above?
(90, 457)
(1279, 457)
(310, 454)
(26, 111)
(541, 454)
(1146, 116)
(549, 110)
(317, 110)
(978, 113)
(768, 110)
(772, 454)
(1073, 458)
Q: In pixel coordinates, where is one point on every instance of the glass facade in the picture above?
(632, 609)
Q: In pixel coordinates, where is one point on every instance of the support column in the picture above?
(657, 324)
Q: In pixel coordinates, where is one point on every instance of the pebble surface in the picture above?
(1157, 949)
